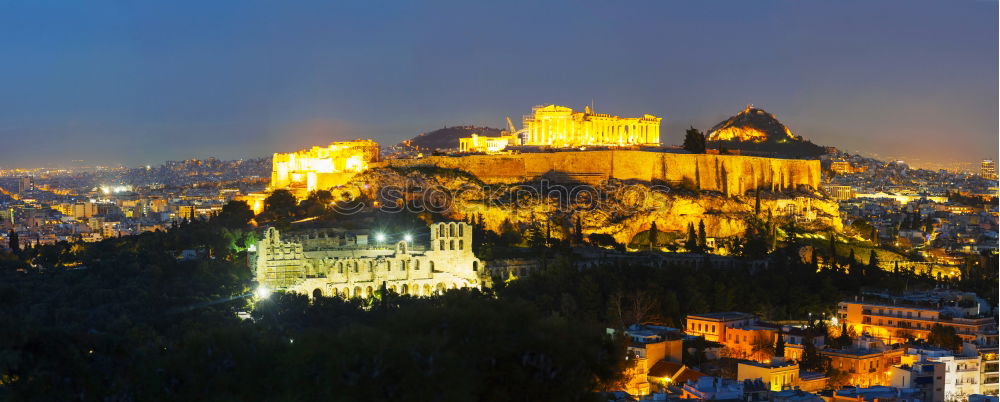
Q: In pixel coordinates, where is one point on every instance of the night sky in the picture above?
(136, 83)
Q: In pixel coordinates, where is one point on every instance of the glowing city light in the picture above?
(263, 292)
(407, 238)
(379, 237)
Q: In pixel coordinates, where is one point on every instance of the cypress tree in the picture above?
(702, 239)
(548, 232)
(579, 230)
(833, 250)
(14, 243)
(756, 203)
(652, 236)
(779, 346)
(692, 241)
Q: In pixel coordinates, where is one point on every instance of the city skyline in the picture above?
(141, 84)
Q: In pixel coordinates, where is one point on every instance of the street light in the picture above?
(263, 292)
(380, 237)
(407, 238)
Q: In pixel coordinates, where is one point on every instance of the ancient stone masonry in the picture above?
(322, 263)
(727, 174)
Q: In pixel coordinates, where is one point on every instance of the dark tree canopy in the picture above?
(280, 206)
(694, 141)
(235, 214)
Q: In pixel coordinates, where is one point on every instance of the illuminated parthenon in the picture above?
(560, 126)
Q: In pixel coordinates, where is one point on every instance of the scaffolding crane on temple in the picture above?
(511, 130)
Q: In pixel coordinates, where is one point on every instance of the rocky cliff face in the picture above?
(731, 175)
(613, 207)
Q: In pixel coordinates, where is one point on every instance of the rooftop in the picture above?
(723, 316)
(771, 364)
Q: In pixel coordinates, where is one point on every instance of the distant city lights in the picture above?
(115, 189)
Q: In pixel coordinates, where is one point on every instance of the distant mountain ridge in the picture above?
(447, 138)
(759, 132)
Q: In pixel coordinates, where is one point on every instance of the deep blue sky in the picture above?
(133, 82)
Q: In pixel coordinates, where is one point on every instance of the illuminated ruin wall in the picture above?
(322, 167)
(728, 174)
(322, 265)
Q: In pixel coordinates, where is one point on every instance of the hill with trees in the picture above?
(756, 131)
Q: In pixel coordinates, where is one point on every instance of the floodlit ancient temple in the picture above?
(333, 263)
(320, 168)
(561, 127)
(490, 145)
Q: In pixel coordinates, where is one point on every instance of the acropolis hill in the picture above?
(567, 147)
